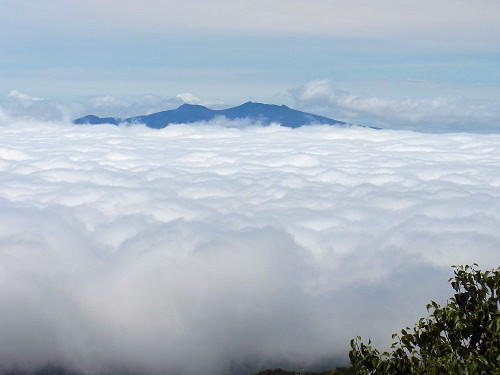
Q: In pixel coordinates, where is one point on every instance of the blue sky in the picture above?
(232, 51)
(233, 68)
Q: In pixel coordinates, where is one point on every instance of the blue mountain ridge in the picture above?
(264, 114)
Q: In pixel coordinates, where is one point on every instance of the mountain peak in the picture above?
(260, 113)
(190, 106)
(252, 104)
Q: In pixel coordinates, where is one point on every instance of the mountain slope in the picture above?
(188, 113)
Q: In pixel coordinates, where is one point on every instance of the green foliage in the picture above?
(461, 338)
(338, 371)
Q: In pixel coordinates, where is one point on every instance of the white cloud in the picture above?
(23, 98)
(110, 106)
(18, 104)
(188, 98)
(438, 114)
(200, 248)
(21, 105)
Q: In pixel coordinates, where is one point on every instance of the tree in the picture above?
(461, 338)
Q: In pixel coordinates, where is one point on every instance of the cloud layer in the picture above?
(203, 249)
(469, 22)
(440, 114)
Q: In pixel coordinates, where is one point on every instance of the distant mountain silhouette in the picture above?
(189, 113)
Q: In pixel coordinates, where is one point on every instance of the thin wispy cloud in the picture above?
(241, 49)
(467, 21)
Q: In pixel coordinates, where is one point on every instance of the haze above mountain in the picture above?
(264, 114)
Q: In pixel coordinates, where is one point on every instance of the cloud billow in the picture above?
(204, 249)
(439, 114)
(20, 105)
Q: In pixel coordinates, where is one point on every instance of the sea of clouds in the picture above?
(205, 248)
